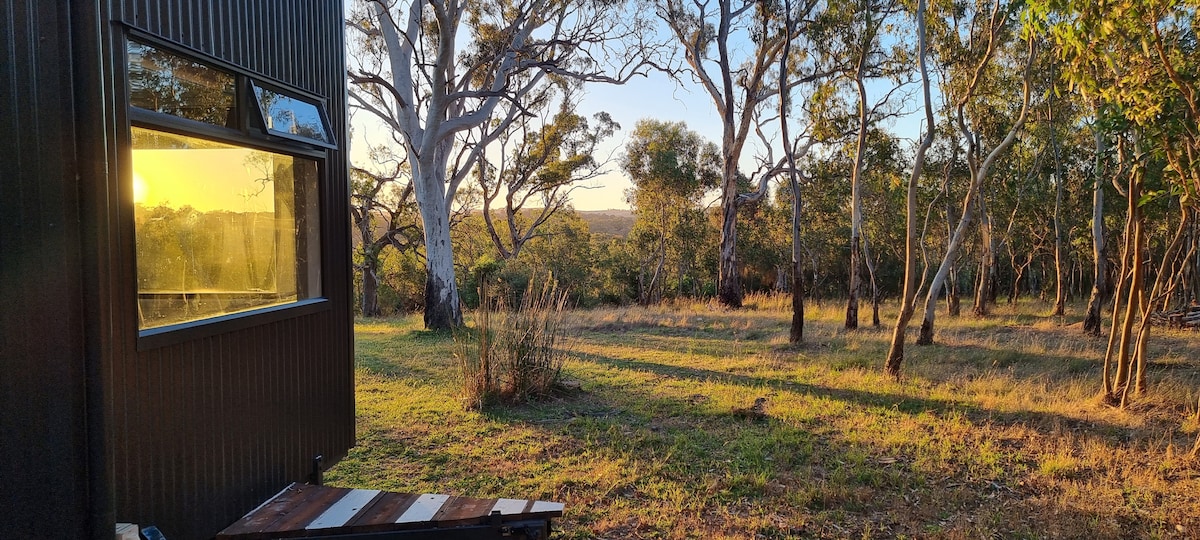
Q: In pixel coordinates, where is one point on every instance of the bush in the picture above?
(515, 356)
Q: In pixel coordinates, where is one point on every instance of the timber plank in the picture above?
(300, 517)
(508, 507)
(464, 511)
(338, 516)
(424, 508)
(383, 513)
(269, 512)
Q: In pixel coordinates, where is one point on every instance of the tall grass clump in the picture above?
(516, 355)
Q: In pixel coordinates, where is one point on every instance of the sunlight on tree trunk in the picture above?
(895, 356)
(979, 169)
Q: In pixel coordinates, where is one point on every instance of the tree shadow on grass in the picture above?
(701, 469)
(900, 402)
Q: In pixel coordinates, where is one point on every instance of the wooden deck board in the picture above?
(303, 510)
(382, 515)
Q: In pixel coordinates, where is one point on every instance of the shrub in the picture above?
(515, 356)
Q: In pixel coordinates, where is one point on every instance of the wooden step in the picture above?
(302, 510)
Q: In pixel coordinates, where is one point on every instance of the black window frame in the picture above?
(250, 132)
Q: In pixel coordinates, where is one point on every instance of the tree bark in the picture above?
(870, 264)
(729, 283)
(895, 356)
(855, 284)
(856, 217)
(1060, 290)
(1136, 277)
(1100, 286)
(442, 308)
(370, 290)
(1117, 355)
(987, 257)
(796, 331)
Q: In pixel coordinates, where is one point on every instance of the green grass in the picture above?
(993, 432)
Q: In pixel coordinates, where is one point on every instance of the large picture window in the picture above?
(220, 227)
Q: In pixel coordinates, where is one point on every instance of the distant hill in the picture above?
(613, 222)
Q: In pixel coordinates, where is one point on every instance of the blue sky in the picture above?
(657, 97)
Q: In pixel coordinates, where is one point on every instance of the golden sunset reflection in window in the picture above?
(217, 229)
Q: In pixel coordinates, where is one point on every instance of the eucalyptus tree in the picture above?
(861, 48)
(733, 49)
(796, 330)
(537, 167)
(1100, 284)
(382, 209)
(895, 355)
(671, 168)
(971, 54)
(435, 70)
(1140, 59)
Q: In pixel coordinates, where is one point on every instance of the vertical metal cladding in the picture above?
(43, 437)
(205, 430)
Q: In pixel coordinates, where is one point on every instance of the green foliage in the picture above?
(401, 282)
(671, 168)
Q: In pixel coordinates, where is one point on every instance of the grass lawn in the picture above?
(993, 432)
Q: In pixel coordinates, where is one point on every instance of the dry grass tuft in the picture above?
(515, 356)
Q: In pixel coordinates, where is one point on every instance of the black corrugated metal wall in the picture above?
(204, 430)
(188, 436)
(43, 436)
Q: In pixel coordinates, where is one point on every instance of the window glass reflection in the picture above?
(219, 228)
(167, 83)
(287, 115)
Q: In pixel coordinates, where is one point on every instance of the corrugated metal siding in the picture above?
(205, 430)
(43, 438)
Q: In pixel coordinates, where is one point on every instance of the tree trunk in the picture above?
(655, 293)
(986, 259)
(895, 356)
(952, 279)
(1117, 355)
(870, 264)
(1164, 282)
(855, 284)
(1100, 286)
(1133, 301)
(442, 308)
(369, 303)
(729, 284)
(796, 332)
(1060, 290)
(953, 305)
(939, 278)
(856, 217)
(370, 287)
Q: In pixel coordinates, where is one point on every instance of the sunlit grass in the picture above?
(992, 432)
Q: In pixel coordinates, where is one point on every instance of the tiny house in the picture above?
(175, 317)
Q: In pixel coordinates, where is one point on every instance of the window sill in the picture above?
(190, 331)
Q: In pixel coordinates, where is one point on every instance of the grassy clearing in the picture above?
(994, 432)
